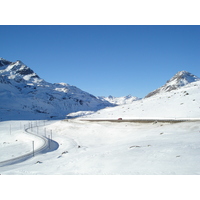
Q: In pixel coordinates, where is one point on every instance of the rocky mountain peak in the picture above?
(119, 100)
(180, 79)
(4, 62)
(17, 71)
(25, 95)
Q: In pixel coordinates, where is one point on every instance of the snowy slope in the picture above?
(180, 79)
(183, 102)
(119, 100)
(118, 148)
(107, 148)
(14, 141)
(24, 95)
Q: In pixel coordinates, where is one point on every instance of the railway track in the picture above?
(41, 149)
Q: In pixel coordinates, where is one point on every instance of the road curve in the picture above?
(41, 149)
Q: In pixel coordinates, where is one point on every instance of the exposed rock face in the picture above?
(4, 62)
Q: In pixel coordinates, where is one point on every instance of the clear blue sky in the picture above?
(105, 60)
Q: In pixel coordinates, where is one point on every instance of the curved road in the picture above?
(42, 149)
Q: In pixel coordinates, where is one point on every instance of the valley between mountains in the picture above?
(59, 113)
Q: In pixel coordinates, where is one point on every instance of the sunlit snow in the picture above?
(74, 145)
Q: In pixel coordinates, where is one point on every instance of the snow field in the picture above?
(106, 148)
(181, 103)
(98, 148)
(139, 149)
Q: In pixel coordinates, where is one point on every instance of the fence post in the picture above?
(49, 141)
(33, 147)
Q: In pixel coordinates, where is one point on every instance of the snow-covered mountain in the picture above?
(102, 148)
(178, 99)
(119, 100)
(180, 79)
(24, 95)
